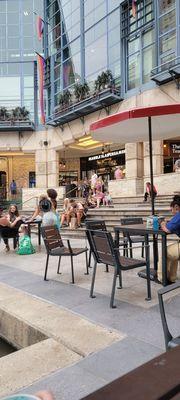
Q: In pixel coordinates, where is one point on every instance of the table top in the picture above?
(140, 229)
(33, 222)
(150, 381)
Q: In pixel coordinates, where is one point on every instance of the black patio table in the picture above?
(143, 230)
(38, 223)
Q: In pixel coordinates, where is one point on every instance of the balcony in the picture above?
(167, 72)
(104, 99)
(17, 119)
(16, 126)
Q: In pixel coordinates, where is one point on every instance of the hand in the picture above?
(44, 395)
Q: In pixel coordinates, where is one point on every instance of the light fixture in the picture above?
(103, 150)
(62, 163)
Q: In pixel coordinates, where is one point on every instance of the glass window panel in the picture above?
(57, 86)
(165, 5)
(14, 69)
(28, 68)
(134, 71)
(115, 69)
(148, 62)
(13, 30)
(28, 42)
(57, 72)
(114, 36)
(2, 6)
(2, 18)
(96, 56)
(2, 31)
(28, 93)
(28, 81)
(75, 46)
(12, 17)
(68, 74)
(13, 43)
(148, 37)
(167, 22)
(114, 19)
(133, 45)
(168, 42)
(94, 33)
(12, 6)
(114, 53)
(112, 4)
(6, 85)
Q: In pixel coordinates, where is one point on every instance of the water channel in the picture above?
(5, 348)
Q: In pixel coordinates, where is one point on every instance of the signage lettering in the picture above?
(107, 155)
(175, 148)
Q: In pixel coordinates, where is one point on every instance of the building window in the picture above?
(138, 37)
(167, 32)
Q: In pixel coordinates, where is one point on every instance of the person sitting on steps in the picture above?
(148, 191)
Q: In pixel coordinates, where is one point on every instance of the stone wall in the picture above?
(166, 183)
(125, 187)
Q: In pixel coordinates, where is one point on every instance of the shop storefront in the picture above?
(103, 164)
(171, 153)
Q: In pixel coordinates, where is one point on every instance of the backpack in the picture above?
(25, 246)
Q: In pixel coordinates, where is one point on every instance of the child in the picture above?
(25, 245)
(107, 200)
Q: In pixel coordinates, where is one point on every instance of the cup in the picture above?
(21, 397)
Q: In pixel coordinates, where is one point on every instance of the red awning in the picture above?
(132, 125)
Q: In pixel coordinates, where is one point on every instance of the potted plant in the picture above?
(103, 81)
(65, 98)
(81, 91)
(4, 115)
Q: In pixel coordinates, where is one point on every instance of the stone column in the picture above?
(41, 168)
(134, 167)
(157, 158)
(53, 168)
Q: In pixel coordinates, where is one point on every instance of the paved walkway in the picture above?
(136, 321)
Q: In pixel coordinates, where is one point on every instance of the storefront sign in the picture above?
(175, 148)
(107, 155)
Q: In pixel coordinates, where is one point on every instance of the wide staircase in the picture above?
(122, 207)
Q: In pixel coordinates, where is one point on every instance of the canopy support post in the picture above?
(151, 163)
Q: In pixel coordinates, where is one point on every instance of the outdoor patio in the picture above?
(136, 321)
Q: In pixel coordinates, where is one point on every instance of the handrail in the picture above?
(69, 191)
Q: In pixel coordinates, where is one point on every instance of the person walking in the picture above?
(173, 249)
(148, 191)
(13, 189)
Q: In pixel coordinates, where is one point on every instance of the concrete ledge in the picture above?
(64, 337)
(26, 366)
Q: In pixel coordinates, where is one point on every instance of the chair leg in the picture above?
(113, 289)
(89, 262)
(72, 270)
(125, 250)
(58, 269)
(120, 279)
(93, 280)
(130, 250)
(87, 266)
(45, 274)
(142, 250)
(107, 268)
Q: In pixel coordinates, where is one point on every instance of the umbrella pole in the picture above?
(151, 164)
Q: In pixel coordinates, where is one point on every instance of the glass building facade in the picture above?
(85, 37)
(18, 44)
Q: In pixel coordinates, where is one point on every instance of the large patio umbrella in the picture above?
(138, 125)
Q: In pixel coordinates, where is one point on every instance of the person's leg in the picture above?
(6, 242)
(145, 196)
(98, 202)
(172, 262)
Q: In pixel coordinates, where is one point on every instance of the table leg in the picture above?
(39, 234)
(155, 251)
(164, 260)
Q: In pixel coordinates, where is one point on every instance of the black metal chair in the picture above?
(170, 342)
(104, 252)
(131, 238)
(55, 247)
(96, 224)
